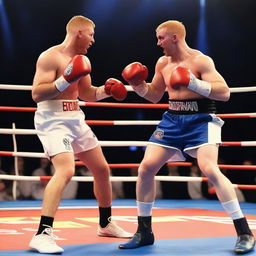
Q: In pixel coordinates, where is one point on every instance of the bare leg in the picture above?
(207, 157)
(207, 161)
(97, 164)
(155, 157)
(64, 170)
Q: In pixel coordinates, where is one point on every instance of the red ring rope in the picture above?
(122, 105)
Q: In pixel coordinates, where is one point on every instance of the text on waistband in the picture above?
(183, 106)
(70, 106)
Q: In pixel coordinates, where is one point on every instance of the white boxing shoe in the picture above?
(113, 230)
(44, 243)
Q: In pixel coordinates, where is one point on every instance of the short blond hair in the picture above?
(173, 26)
(78, 21)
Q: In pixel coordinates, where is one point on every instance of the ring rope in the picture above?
(125, 165)
(122, 179)
(121, 143)
(155, 122)
(128, 88)
(125, 105)
(113, 143)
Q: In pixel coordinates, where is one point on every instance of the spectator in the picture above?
(231, 175)
(195, 187)
(23, 187)
(249, 178)
(129, 188)
(4, 187)
(117, 186)
(85, 189)
(173, 189)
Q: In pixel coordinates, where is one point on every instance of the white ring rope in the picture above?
(110, 143)
(121, 179)
(24, 154)
(18, 131)
(18, 87)
(112, 178)
(128, 87)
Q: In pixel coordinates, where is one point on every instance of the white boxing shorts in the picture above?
(61, 127)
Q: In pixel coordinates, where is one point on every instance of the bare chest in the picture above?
(71, 92)
(182, 92)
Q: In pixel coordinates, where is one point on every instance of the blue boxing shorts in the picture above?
(186, 133)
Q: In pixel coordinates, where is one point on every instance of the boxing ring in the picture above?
(200, 224)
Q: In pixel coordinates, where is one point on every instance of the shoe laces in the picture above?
(116, 227)
(48, 231)
(111, 221)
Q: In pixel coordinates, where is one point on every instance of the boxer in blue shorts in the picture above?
(189, 127)
(185, 132)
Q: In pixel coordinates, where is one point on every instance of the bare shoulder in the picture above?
(87, 60)
(201, 59)
(50, 53)
(162, 62)
(49, 57)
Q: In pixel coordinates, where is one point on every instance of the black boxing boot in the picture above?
(144, 235)
(245, 240)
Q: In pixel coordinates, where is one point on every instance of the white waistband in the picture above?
(58, 105)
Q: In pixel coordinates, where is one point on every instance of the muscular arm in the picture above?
(43, 87)
(157, 87)
(219, 88)
(112, 87)
(86, 91)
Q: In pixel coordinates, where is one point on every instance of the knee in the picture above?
(66, 174)
(212, 173)
(101, 174)
(213, 178)
(146, 171)
(70, 174)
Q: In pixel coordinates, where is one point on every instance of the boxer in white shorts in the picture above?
(61, 127)
(62, 77)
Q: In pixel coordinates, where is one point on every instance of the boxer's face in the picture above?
(85, 39)
(166, 40)
(163, 40)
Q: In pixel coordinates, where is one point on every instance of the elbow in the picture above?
(226, 95)
(155, 101)
(226, 98)
(223, 95)
(35, 97)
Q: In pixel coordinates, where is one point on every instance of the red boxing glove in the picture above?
(135, 73)
(116, 89)
(183, 77)
(180, 77)
(78, 67)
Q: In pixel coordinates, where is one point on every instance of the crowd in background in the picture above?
(26, 190)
